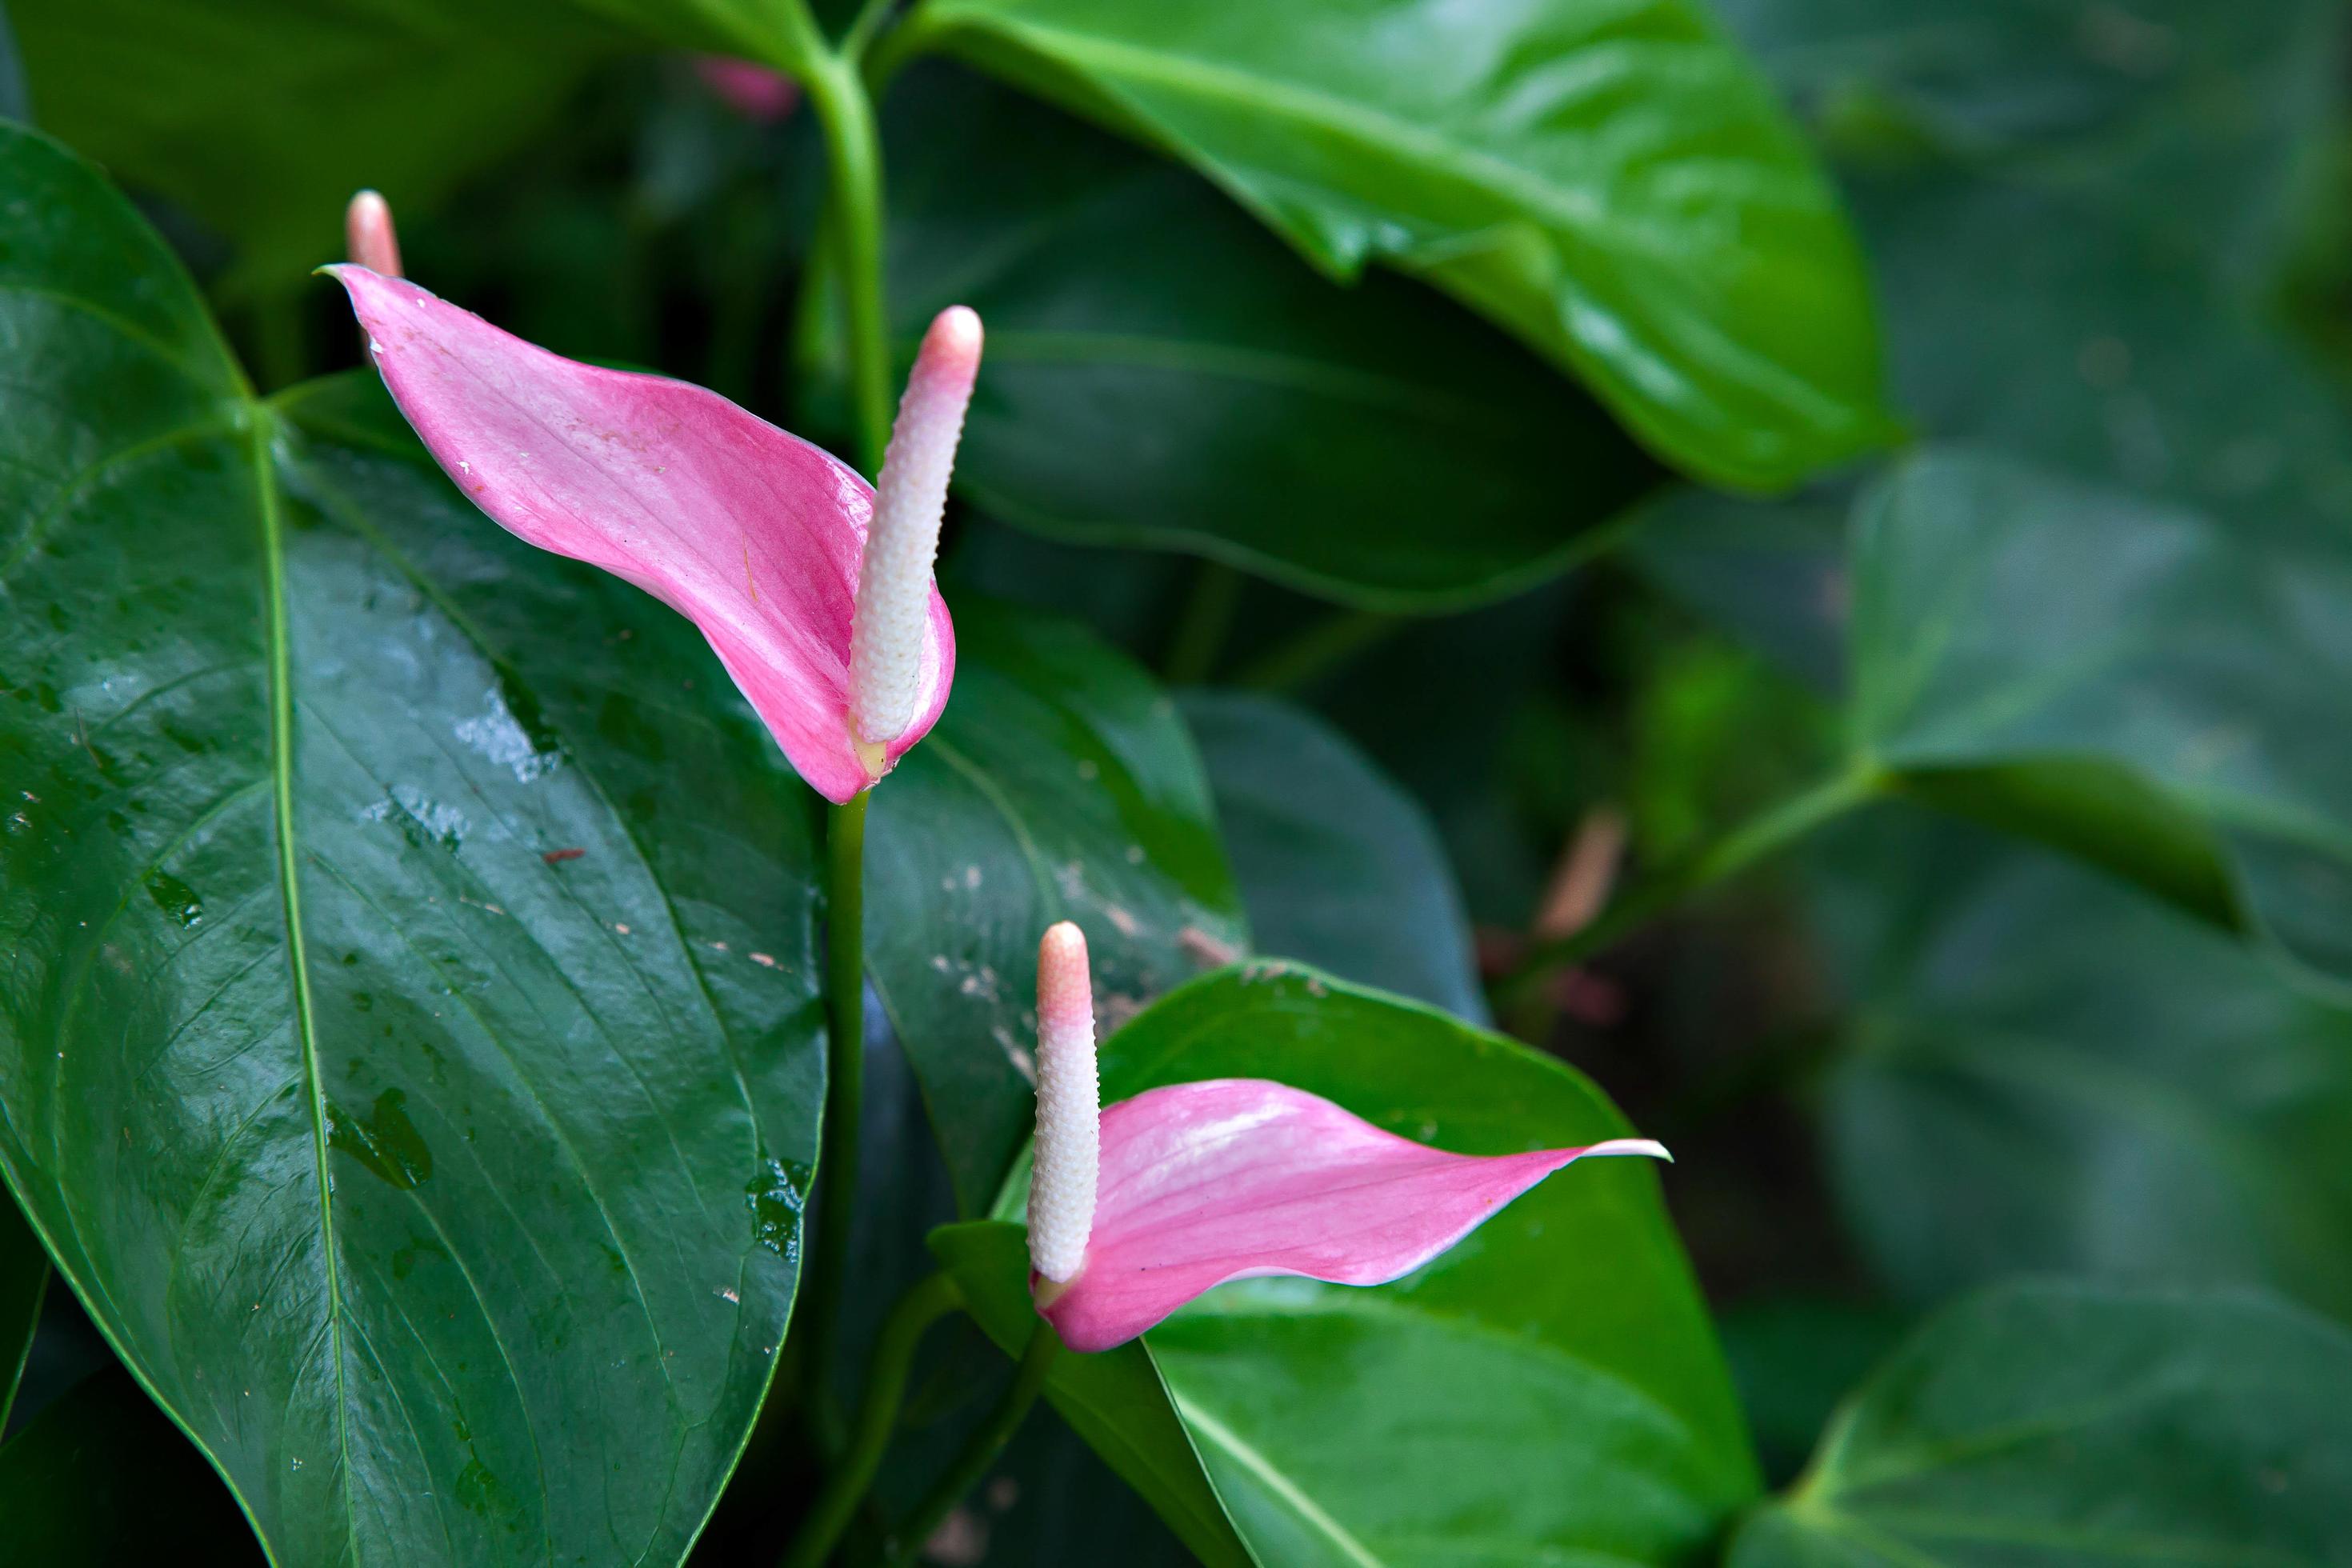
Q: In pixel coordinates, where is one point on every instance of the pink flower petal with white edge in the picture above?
(1236, 1178)
(750, 533)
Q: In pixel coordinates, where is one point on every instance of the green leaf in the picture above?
(1162, 372)
(1793, 1357)
(2044, 1073)
(1115, 1400)
(2020, 642)
(99, 1478)
(1333, 1420)
(2074, 218)
(1611, 183)
(1339, 866)
(409, 1073)
(1059, 784)
(262, 118)
(24, 1280)
(2076, 1423)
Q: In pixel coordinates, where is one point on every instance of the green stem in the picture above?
(885, 1391)
(985, 1445)
(845, 1089)
(1200, 629)
(854, 149)
(1318, 650)
(1743, 846)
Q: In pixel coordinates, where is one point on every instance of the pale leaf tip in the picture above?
(1648, 1147)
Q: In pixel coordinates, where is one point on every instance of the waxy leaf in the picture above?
(1611, 183)
(1334, 1421)
(1162, 372)
(2074, 1423)
(2044, 1072)
(1059, 784)
(1339, 868)
(409, 1054)
(260, 119)
(2136, 682)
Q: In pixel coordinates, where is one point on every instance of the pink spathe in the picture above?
(750, 533)
(1231, 1178)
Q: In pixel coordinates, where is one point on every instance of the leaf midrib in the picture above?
(261, 426)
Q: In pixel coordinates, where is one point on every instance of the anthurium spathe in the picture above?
(1136, 1210)
(758, 537)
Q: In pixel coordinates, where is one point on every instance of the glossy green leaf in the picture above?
(1162, 372)
(1059, 784)
(24, 1280)
(409, 1053)
(1612, 184)
(100, 1478)
(2046, 1073)
(2013, 630)
(1793, 1357)
(262, 118)
(1339, 868)
(2071, 1424)
(1333, 1422)
(1115, 1400)
(2074, 215)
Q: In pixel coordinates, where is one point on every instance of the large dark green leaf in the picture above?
(262, 116)
(1610, 182)
(2073, 214)
(1059, 784)
(2067, 1424)
(2044, 1072)
(1115, 1400)
(409, 1052)
(2134, 681)
(24, 1280)
(100, 1478)
(1162, 372)
(1338, 866)
(1551, 1387)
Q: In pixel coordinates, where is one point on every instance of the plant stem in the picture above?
(837, 96)
(985, 1444)
(1318, 650)
(877, 1417)
(845, 1001)
(1201, 629)
(1742, 846)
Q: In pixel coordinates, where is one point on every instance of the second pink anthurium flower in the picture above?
(1136, 1210)
(813, 589)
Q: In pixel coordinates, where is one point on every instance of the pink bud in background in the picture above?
(369, 240)
(753, 534)
(1184, 1187)
(760, 95)
(910, 499)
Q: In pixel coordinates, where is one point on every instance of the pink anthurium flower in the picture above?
(813, 589)
(1136, 1210)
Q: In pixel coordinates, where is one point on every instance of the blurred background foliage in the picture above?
(1463, 653)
